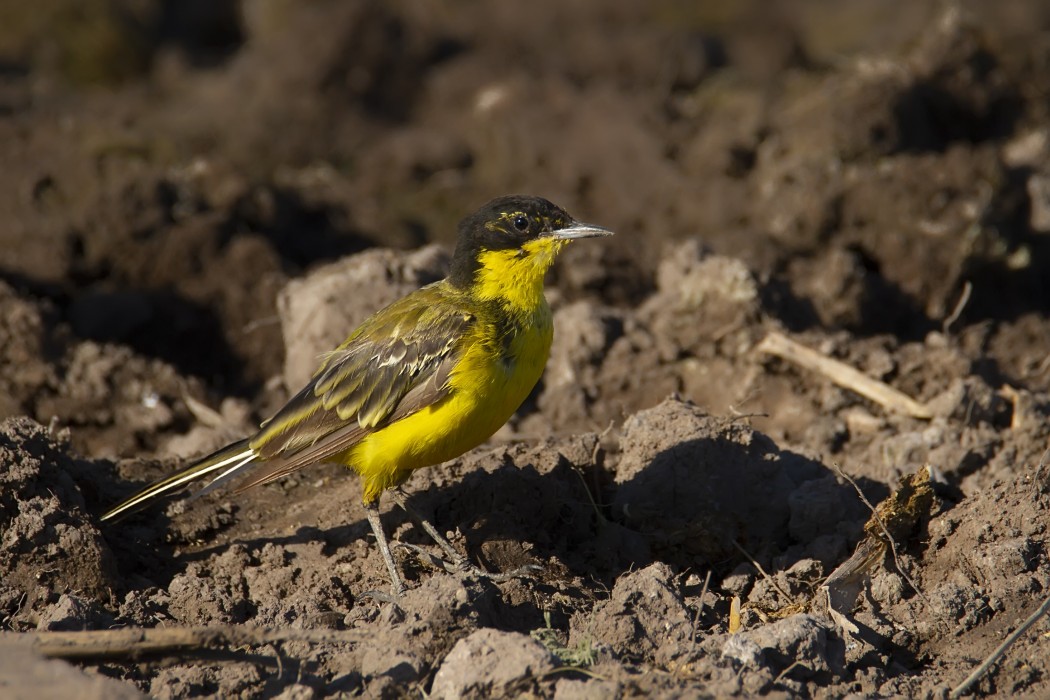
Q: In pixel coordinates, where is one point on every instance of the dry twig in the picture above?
(964, 298)
(843, 375)
(765, 575)
(1000, 650)
(700, 605)
(139, 641)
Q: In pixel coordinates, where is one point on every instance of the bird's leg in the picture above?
(372, 512)
(457, 560)
(402, 500)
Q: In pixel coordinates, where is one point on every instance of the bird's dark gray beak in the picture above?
(578, 230)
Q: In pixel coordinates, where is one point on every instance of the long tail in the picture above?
(227, 462)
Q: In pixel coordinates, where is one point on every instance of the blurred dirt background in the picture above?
(199, 196)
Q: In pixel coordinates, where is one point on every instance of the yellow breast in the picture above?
(502, 358)
(498, 370)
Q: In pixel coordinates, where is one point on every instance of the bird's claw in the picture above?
(392, 598)
(458, 566)
(527, 571)
(461, 565)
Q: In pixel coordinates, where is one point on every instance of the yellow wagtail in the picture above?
(422, 381)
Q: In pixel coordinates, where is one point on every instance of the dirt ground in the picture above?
(197, 198)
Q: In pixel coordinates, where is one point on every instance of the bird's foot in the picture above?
(460, 565)
(527, 571)
(381, 597)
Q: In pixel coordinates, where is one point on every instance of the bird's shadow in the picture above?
(689, 505)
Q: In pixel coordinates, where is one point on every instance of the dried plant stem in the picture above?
(843, 375)
(1000, 650)
(765, 575)
(138, 641)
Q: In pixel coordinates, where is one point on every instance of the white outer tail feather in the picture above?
(248, 457)
(239, 461)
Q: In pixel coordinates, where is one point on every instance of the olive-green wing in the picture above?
(396, 363)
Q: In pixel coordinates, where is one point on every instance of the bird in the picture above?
(420, 382)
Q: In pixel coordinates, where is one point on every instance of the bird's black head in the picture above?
(522, 226)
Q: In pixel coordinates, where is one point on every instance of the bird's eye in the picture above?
(521, 223)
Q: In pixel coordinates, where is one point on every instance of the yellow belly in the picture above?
(487, 387)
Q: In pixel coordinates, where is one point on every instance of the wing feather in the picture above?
(396, 363)
(348, 434)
